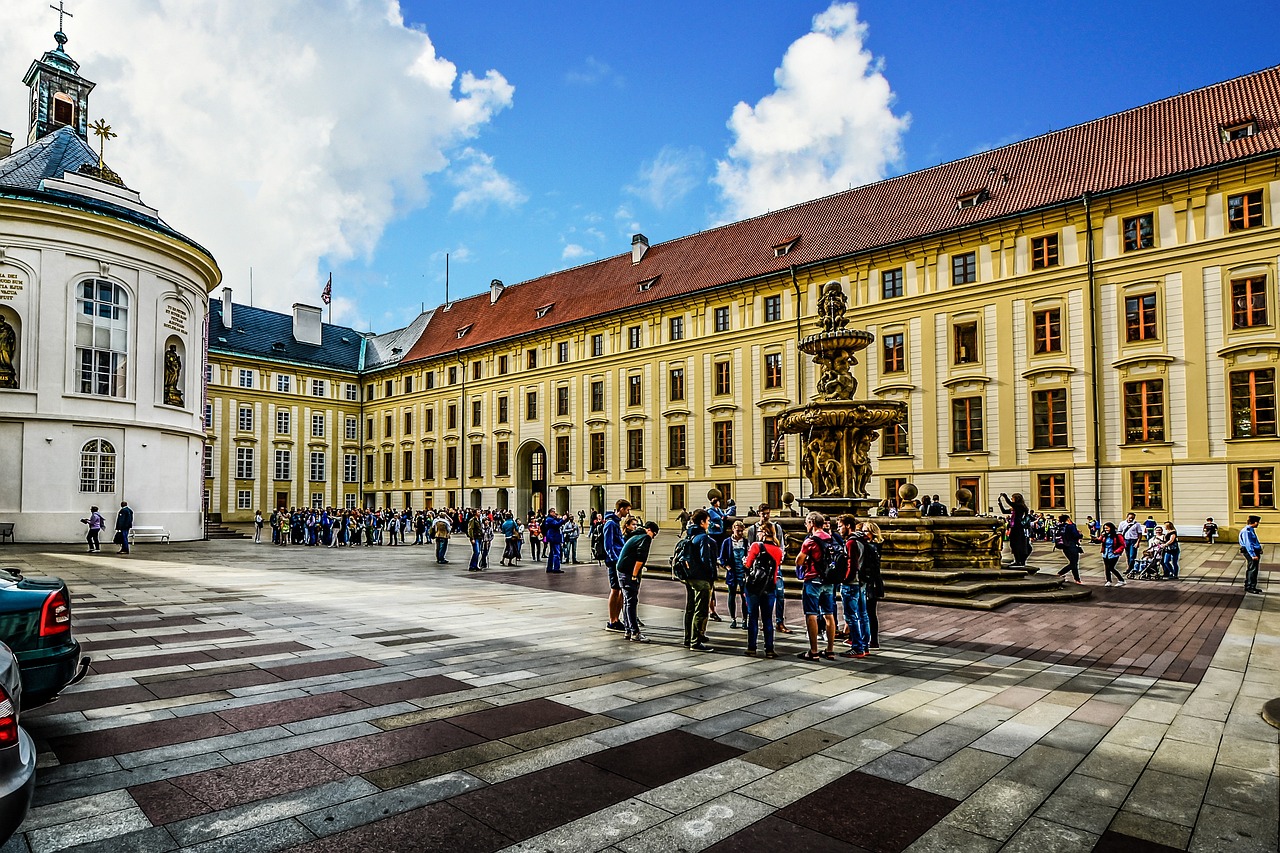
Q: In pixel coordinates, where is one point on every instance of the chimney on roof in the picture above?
(639, 245)
(226, 308)
(6, 143)
(495, 290)
(306, 324)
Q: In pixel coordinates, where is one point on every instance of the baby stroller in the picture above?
(1147, 566)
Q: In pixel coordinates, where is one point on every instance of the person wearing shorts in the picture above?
(614, 539)
(819, 599)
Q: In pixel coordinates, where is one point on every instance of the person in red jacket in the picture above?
(760, 605)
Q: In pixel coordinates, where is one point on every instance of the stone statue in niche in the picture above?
(8, 351)
(172, 376)
(862, 463)
(831, 307)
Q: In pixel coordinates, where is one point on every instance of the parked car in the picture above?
(17, 752)
(35, 622)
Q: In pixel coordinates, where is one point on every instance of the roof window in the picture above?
(543, 311)
(785, 247)
(972, 199)
(1241, 129)
(462, 333)
(278, 347)
(648, 284)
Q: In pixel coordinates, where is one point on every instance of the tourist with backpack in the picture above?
(732, 556)
(753, 536)
(613, 540)
(820, 564)
(635, 552)
(857, 625)
(760, 578)
(694, 563)
(869, 572)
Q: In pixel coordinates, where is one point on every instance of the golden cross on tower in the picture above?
(102, 130)
(61, 10)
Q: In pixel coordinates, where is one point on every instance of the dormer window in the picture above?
(648, 283)
(1238, 129)
(542, 312)
(278, 347)
(972, 199)
(462, 333)
(785, 247)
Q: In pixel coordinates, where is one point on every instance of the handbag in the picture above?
(119, 538)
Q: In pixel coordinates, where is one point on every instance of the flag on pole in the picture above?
(327, 295)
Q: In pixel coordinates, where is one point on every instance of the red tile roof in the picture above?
(1169, 137)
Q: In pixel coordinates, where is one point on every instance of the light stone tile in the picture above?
(270, 810)
(87, 829)
(944, 837)
(997, 809)
(1042, 836)
(1166, 797)
(536, 759)
(1219, 829)
(1250, 755)
(785, 786)
(698, 828)
(1151, 829)
(596, 831)
(74, 810)
(357, 812)
(858, 750)
(960, 775)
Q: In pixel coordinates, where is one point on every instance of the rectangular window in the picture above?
(244, 463)
(352, 429)
(597, 451)
(368, 468)
(103, 372)
(562, 454)
(634, 494)
(349, 501)
(633, 337)
(965, 337)
(722, 432)
(891, 283)
(408, 385)
(531, 359)
(246, 378)
(477, 461)
(895, 352)
(1140, 318)
(722, 382)
(562, 352)
(502, 460)
(966, 425)
(429, 420)
(1139, 233)
(477, 369)
(502, 365)
(773, 370)
(1051, 492)
(1146, 489)
(675, 388)
(476, 412)
(775, 444)
(208, 415)
(208, 461)
(1044, 252)
(317, 500)
(1244, 211)
(429, 464)
(504, 409)
(677, 497)
(351, 392)
(318, 388)
(726, 492)
(722, 318)
(635, 448)
(244, 499)
(597, 345)
(431, 379)
(317, 426)
(368, 429)
(388, 466)
(531, 406)
(284, 465)
(451, 463)
(1049, 418)
(284, 383)
(1257, 488)
(676, 325)
(772, 309)
(964, 268)
(406, 465)
(1249, 302)
(451, 416)
(677, 455)
(562, 402)
(245, 420)
(891, 486)
(453, 375)
(635, 391)
(350, 468)
(1144, 411)
(894, 440)
(597, 396)
(387, 427)
(1253, 403)
(773, 494)
(1047, 329)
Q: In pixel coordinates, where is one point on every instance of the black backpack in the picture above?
(760, 575)
(597, 543)
(681, 556)
(835, 561)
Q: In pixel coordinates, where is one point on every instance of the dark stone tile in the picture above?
(86, 699)
(210, 683)
(117, 741)
(412, 688)
(437, 827)
(252, 650)
(662, 758)
(107, 667)
(876, 814)
(497, 723)
(224, 787)
(163, 802)
(528, 805)
(118, 613)
(290, 710)
(159, 640)
(1117, 842)
(311, 669)
(386, 749)
(774, 834)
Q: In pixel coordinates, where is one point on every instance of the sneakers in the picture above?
(701, 647)
(735, 624)
(637, 638)
(615, 627)
(750, 653)
(1119, 583)
(715, 617)
(770, 653)
(1108, 583)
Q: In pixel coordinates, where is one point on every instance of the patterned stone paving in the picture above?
(248, 698)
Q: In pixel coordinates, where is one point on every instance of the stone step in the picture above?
(990, 600)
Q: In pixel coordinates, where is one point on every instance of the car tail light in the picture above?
(8, 720)
(55, 617)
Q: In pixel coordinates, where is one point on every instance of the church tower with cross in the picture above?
(59, 95)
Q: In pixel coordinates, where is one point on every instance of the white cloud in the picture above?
(591, 71)
(573, 251)
(669, 177)
(481, 184)
(274, 134)
(827, 125)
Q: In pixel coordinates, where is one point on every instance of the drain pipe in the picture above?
(1093, 359)
(799, 373)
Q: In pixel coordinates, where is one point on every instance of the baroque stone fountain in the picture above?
(951, 560)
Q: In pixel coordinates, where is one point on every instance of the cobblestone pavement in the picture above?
(250, 698)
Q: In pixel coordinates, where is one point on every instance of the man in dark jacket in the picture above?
(124, 523)
(701, 578)
(613, 542)
(555, 540)
(635, 552)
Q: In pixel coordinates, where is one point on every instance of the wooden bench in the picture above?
(160, 533)
(1193, 532)
(6, 531)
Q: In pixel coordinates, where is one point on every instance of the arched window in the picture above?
(98, 466)
(102, 337)
(64, 109)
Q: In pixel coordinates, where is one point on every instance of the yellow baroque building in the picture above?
(1087, 317)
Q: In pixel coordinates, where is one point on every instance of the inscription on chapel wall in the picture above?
(11, 285)
(175, 318)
